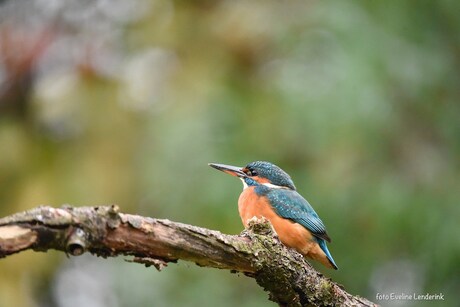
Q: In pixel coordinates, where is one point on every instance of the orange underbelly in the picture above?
(290, 233)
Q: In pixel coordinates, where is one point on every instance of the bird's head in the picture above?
(259, 172)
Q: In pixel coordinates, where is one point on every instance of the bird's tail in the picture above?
(323, 246)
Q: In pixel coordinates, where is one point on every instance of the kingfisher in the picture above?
(269, 192)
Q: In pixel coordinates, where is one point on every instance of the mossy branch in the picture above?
(104, 231)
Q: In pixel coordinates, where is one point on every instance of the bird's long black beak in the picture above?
(231, 170)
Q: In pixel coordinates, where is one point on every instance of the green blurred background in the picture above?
(126, 102)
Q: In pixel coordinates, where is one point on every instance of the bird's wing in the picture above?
(291, 205)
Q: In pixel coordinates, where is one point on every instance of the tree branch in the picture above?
(104, 231)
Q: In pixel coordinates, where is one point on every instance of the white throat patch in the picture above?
(245, 185)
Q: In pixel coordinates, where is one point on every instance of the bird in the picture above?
(269, 192)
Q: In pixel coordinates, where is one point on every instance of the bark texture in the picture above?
(104, 231)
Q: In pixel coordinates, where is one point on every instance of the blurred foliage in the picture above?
(126, 102)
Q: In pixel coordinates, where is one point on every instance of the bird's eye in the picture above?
(251, 172)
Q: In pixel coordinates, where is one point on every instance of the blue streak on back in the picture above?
(291, 205)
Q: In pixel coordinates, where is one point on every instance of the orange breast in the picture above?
(290, 233)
